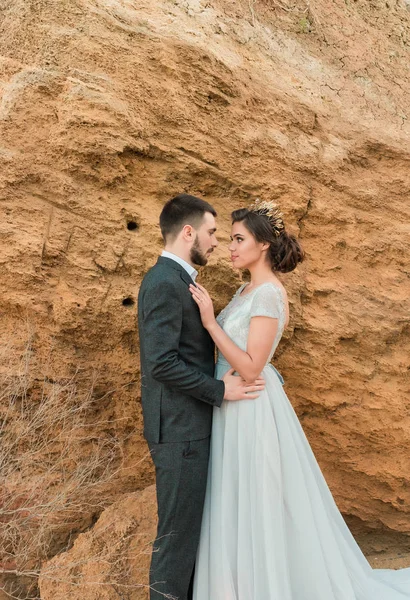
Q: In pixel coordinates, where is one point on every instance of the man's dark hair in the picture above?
(180, 211)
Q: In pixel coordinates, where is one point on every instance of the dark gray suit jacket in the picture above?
(177, 358)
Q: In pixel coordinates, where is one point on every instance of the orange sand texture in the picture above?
(110, 107)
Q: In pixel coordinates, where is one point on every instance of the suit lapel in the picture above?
(184, 275)
(177, 267)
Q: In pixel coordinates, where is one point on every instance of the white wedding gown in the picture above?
(271, 529)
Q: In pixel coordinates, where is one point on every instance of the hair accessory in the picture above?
(270, 210)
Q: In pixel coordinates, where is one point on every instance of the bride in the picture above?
(270, 529)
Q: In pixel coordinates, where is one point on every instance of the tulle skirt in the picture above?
(271, 529)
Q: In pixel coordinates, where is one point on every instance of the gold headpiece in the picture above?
(270, 210)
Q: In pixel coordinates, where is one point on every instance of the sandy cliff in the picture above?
(109, 107)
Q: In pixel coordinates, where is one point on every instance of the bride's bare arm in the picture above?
(249, 364)
(262, 332)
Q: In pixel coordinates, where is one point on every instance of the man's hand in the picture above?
(237, 389)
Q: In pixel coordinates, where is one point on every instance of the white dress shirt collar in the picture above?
(188, 268)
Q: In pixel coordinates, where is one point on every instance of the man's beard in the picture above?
(196, 255)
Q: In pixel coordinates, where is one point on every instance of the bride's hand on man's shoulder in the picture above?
(205, 304)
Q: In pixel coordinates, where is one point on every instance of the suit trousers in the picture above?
(181, 472)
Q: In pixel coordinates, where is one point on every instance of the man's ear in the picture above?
(187, 232)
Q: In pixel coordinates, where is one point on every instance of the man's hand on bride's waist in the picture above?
(236, 388)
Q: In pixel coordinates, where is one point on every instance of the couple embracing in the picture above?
(244, 512)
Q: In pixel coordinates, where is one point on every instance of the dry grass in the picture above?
(54, 469)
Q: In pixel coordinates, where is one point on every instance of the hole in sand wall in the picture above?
(128, 301)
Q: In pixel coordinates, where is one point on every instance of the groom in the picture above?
(179, 390)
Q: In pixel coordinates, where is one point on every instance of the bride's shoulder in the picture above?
(272, 285)
(282, 288)
(271, 291)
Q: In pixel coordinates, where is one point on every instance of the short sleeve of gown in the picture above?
(266, 302)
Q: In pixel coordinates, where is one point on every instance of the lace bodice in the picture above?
(265, 300)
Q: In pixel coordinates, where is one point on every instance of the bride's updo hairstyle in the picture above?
(265, 222)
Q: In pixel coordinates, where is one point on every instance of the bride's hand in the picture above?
(206, 307)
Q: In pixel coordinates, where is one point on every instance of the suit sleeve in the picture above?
(162, 318)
